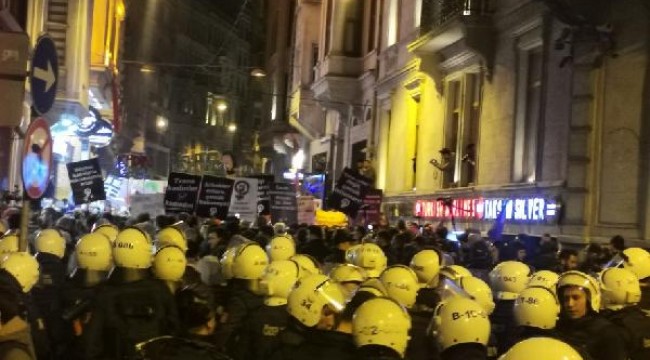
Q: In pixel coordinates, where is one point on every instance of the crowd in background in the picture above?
(180, 287)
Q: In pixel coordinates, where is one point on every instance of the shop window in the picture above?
(529, 98)
(458, 159)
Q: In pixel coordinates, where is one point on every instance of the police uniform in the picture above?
(261, 335)
(324, 345)
(637, 326)
(47, 299)
(178, 348)
(503, 325)
(421, 345)
(241, 303)
(595, 335)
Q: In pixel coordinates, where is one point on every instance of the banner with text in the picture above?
(265, 182)
(349, 192)
(86, 181)
(243, 202)
(284, 207)
(181, 193)
(214, 197)
(370, 211)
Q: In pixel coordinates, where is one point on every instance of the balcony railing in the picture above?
(438, 12)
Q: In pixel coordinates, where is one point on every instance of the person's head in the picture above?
(349, 276)
(315, 302)
(23, 268)
(50, 241)
(637, 260)
(617, 243)
(93, 252)
(579, 294)
(169, 264)
(381, 321)
(426, 264)
(280, 228)
(544, 278)
(509, 278)
(278, 280)
(133, 249)
(542, 348)
(413, 227)
(281, 247)
(445, 153)
(619, 288)
(536, 307)
(249, 262)
(371, 258)
(172, 236)
(216, 235)
(401, 283)
(196, 312)
(568, 259)
(459, 320)
(342, 239)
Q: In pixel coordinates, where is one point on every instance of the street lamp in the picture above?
(232, 127)
(222, 106)
(161, 123)
(258, 73)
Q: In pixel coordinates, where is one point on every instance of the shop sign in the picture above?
(529, 209)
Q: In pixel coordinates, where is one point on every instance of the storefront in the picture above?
(528, 211)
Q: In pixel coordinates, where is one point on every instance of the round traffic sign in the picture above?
(44, 74)
(37, 158)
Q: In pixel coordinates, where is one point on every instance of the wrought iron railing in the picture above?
(438, 12)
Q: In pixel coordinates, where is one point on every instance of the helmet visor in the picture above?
(333, 294)
(449, 289)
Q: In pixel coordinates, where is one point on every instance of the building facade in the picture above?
(468, 109)
(186, 85)
(87, 35)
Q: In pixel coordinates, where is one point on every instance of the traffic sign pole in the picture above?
(24, 224)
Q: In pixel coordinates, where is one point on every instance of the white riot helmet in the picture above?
(619, 288)
(94, 253)
(50, 241)
(278, 280)
(583, 281)
(133, 249)
(402, 285)
(479, 291)
(382, 321)
(537, 307)
(541, 348)
(426, 264)
(544, 278)
(310, 295)
(308, 265)
(454, 272)
(509, 278)
(371, 258)
(459, 320)
(249, 262)
(169, 263)
(23, 267)
(281, 247)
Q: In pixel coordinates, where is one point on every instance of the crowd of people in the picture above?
(93, 286)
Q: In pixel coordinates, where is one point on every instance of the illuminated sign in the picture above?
(532, 209)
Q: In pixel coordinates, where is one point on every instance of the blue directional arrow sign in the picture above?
(44, 74)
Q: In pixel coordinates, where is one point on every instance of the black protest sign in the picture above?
(349, 192)
(214, 197)
(263, 188)
(371, 210)
(284, 207)
(181, 193)
(86, 181)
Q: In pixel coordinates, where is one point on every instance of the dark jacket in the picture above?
(637, 330)
(240, 304)
(180, 348)
(315, 248)
(127, 313)
(376, 352)
(595, 335)
(473, 351)
(260, 337)
(336, 257)
(421, 346)
(14, 301)
(324, 345)
(47, 296)
(292, 337)
(503, 325)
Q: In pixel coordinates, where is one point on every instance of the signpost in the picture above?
(36, 169)
(44, 75)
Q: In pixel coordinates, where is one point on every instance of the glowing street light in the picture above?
(161, 123)
(222, 106)
(232, 127)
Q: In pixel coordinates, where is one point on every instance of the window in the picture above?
(458, 159)
(417, 16)
(528, 109)
(328, 26)
(393, 22)
(372, 21)
(314, 60)
(353, 30)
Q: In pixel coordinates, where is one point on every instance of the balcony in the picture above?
(452, 30)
